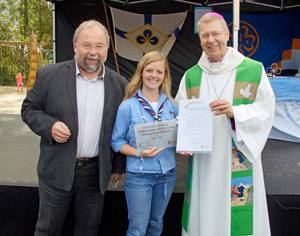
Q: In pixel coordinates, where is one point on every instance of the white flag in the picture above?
(137, 34)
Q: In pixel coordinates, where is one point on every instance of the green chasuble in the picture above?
(248, 75)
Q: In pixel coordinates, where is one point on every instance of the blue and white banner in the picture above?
(137, 34)
(269, 38)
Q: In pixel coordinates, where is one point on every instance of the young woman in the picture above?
(150, 173)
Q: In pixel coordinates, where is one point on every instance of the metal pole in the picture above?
(54, 35)
(236, 23)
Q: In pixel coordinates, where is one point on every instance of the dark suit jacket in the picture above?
(53, 98)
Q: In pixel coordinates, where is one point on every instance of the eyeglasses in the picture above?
(213, 34)
(87, 46)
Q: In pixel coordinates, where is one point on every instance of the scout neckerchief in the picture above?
(248, 77)
(157, 116)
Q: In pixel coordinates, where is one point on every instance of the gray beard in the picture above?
(89, 68)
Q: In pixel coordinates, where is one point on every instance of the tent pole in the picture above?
(54, 33)
(236, 23)
(112, 42)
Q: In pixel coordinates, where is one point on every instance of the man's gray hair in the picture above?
(88, 24)
(207, 18)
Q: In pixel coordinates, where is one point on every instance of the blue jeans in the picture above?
(147, 197)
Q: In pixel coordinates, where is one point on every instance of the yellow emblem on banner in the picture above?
(147, 38)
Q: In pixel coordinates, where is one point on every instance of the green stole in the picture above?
(248, 74)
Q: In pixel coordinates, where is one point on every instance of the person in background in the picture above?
(72, 106)
(243, 106)
(150, 173)
(20, 78)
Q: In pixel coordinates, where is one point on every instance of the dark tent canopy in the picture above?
(186, 50)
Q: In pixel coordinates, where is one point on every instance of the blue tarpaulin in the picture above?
(266, 37)
(286, 88)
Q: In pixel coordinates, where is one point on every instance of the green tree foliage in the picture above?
(19, 19)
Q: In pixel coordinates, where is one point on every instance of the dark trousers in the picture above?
(84, 198)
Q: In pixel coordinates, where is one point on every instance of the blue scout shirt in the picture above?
(130, 112)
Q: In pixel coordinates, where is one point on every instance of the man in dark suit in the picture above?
(72, 106)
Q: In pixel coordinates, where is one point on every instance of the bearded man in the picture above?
(72, 106)
(243, 106)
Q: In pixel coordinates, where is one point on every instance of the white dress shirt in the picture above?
(90, 104)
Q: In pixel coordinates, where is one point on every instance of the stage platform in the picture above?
(19, 151)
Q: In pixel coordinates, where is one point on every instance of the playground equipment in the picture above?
(36, 57)
(33, 61)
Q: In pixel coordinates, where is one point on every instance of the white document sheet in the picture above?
(195, 126)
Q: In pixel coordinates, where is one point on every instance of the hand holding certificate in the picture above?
(195, 126)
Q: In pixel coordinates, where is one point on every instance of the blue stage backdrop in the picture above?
(269, 38)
